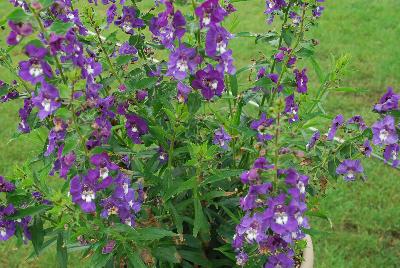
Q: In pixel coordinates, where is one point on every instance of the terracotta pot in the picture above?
(308, 254)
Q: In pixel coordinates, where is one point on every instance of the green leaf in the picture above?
(234, 84)
(18, 15)
(264, 82)
(60, 27)
(167, 254)
(143, 83)
(153, 233)
(194, 102)
(136, 261)
(317, 70)
(349, 89)
(37, 234)
(62, 254)
(124, 59)
(195, 257)
(177, 189)
(222, 174)
(30, 211)
(46, 3)
(200, 221)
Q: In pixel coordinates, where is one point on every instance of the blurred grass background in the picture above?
(365, 216)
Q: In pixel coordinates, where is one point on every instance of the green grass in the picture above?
(365, 216)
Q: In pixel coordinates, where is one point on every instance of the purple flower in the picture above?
(141, 95)
(13, 94)
(262, 163)
(252, 199)
(274, 5)
(296, 19)
(279, 217)
(129, 21)
(47, 101)
(91, 69)
(317, 12)
(225, 63)
(135, 127)
(250, 176)
(349, 169)
(384, 131)
(366, 148)
(336, 123)
(291, 109)
(261, 126)
(168, 26)
(314, 138)
(252, 228)
(162, 155)
(24, 113)
(280, 260)
(210, 13)
(221, 138)
(7, 227)
(56, 134)
(358, 120)
(217, 40)
(301, 80)
(101, 132)
(36, 68)
(391, 153)
(111, 13)
(55, 43)
(109, 247)
(183, 92)
(241, 258)
(209, 81)
(182, 60)
(103, 164)
(18, 31)
(297, 181)
(127, 49)
(6, 186)
(388, 102)
(83, 189)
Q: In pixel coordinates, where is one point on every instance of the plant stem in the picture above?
(58, 64)
(279, 45)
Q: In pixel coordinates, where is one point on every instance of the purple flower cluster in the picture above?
(262, 126)
(124, 201)
(274, 228)
(168, 26)
(221, 138)
(8, 227)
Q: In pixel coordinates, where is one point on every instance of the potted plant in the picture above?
(158, 150)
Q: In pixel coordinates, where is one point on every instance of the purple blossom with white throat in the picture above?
(349, 169)
(384, 131)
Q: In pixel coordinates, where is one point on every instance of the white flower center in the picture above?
(251, 234)
(126, 27)
(126, 188)
(104, 172)
(35, 70)
(182, 65)
(206, 20)
(88, 196)
(383, 135)
(46, 104)
(3, 232)
(221, 47)
(350, 174)
(394, 155)
(134, 129)
(214, 85)
(281, 218)
(301, 187)
(89, 69)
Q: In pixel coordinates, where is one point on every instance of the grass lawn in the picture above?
(365, 216)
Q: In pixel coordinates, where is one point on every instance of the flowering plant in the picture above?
(158, 151)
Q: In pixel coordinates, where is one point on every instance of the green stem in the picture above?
(274, 62)
(105, 52)
(58, 64)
